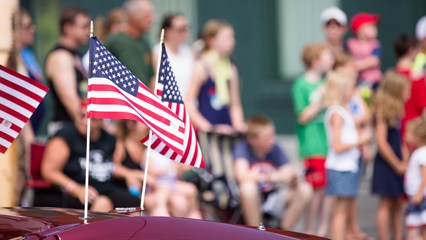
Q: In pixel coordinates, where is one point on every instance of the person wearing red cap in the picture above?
(365, 47)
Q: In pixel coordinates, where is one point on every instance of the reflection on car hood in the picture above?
(65, 224)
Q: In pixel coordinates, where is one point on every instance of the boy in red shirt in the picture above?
(406, 48)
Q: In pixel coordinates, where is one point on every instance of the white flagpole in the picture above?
(86, 189)
(150, 132)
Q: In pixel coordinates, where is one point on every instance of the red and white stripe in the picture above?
(106, 100)
(192, 152)
(19, 98)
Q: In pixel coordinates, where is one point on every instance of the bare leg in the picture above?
(250, 203)
(414, 234)
(102, 204)
(160, 207)
(327, 205)
(190, 191)
(296, 200)
(313, 210)
(179, 205)
(354, 231)
(382, 218)
(397, 219)
(339, 220)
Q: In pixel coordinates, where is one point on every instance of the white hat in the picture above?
(334, 13)
(421, 28)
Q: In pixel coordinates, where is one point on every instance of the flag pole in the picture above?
(86, 189)
(150, 132)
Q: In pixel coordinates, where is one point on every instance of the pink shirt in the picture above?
(362, 50)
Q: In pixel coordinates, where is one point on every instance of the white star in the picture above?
(168, 91)
(100, 60)
(112, 63)
(102, 54)
(97, 48)
(96, 63)
(170, 96)
(97, 42)
(173, 92)
(167, 78)
(167, 86)
(170, 73)
(117, 81)
(118, 74)
(132, 89)
(164, 62)
(107, 64)
(115, 69)
(162, 78)
(124, 85)
(103, 66)
(94, 70)
(126, 78)
(164, 55)
(121, 80)
(174, 97)
(180, 97)
(109, 58)
(119, 67)
(105, 59)
(110, 70)
(99, 68)
(113, 75)
(162, 70)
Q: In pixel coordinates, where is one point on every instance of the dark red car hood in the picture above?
(64, 224)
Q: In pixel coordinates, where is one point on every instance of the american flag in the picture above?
(169, 93)
(19, 98)
(115, 93)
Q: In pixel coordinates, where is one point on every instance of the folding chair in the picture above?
(34, 180)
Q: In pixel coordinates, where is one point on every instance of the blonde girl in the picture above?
(389, 166)
(343, 154)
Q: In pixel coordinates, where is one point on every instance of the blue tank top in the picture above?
(210, 106)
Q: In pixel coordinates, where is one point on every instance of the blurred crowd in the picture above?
(341, 101)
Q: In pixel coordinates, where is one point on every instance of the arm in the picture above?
(54, 159)
(417, 199)
(368, 62)
(236, 110)
(305, 113)
(336, 122)
(198, 78)
(385, 149)
(243, 173)
(59, 68)
(286, 173)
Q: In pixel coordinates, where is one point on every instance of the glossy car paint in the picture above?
(65, 224)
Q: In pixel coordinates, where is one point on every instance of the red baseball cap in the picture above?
(360, 18)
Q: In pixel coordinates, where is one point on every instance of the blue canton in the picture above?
(171, 91)
(104, 65)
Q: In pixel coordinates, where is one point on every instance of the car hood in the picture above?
(66, 224)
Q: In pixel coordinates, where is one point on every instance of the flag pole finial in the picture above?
(91, 28)
(162, 35)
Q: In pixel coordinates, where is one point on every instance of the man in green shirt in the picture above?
(130, 47)
(307, 93)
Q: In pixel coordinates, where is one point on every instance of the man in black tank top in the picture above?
(64, 69)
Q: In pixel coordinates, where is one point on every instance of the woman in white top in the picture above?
(343, 154)
(180, 54)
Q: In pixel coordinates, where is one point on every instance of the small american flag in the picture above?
(169, 93)
(19, 98)
(115, 93)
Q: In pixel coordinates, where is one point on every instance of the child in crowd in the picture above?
(389, 165)
(361, 114)
(260, 165)
(419, 64)
(343, 154)
(308, 94)
(415, 184)
(366, 48)
(406, 48)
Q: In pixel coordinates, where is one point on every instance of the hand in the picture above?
(417, 199)
(294, 180)
(79, 192)
(241, 128)
(365, 136)
(134, 178)
(400, 168)
(224, 129)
